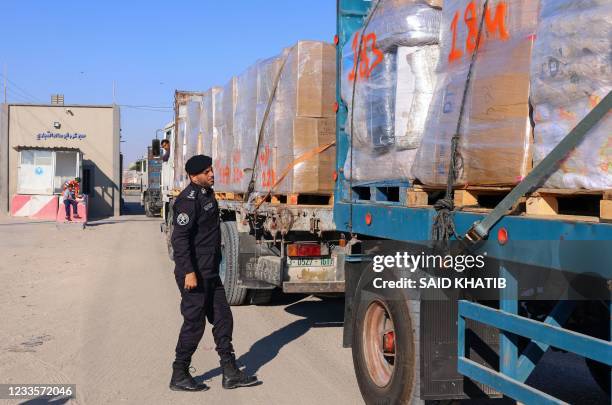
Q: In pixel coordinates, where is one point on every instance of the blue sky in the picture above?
(149, 48)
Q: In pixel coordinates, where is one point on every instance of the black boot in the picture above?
(183, 381)
(233, 377)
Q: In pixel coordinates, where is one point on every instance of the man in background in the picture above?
(165, 144)
(70, 199)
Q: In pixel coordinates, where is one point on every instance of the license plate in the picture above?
(319, 262)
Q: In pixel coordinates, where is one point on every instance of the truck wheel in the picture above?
(600, 329)
(169, 229)
(600, 373)
(147, 208)
(386, 349)
(259, 297)
(229, 267)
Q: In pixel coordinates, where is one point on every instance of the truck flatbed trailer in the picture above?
(265, 261)
(407, 349)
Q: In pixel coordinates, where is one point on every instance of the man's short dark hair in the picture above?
(165, 141)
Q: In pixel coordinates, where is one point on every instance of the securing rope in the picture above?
(302, 158)
(251, 186)
(443, 226)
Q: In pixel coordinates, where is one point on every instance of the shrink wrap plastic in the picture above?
(395, 81)
(495, 136)
(223, 141)
(244, 130)
(193, 136)
(265, 172)
(179, 150)
(571, 71)
(304, 119)
(207, 117)
(300, 121)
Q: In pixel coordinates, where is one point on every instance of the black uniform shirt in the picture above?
(196, 237)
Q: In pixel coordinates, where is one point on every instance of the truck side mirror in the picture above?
(155, 147)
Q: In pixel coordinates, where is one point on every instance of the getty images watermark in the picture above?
(459, 264)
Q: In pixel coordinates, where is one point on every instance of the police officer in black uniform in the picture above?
(196, 240)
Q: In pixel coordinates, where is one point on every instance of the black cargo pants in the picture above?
(206, 301)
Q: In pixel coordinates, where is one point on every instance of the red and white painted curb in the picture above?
(34, 206)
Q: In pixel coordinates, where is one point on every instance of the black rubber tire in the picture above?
(169, 228)
(404, 385)
(259, 297)
(599, 371)
(235, 294)
(147, 208)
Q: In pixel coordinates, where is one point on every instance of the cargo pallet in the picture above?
(229, 196)
(579, 205)
(326, 199)
(585, 205)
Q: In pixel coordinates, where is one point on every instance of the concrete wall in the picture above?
(100, 147)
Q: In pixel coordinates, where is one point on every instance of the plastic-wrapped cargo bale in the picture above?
(571, 71)
(403, 23)
(414, 90)
(307, 87)
(179, 149)
(495, 136)
(394, 81)
(244, 130)
(193, 134)
(209, 106)
(304, 119)
(218, 126)
(265, 172)
(225, 126)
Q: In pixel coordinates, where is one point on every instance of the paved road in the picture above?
(99, 308)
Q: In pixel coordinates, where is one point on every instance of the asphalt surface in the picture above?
(99, 308)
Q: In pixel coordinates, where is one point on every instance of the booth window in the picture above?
(44, 171)
(65, 169)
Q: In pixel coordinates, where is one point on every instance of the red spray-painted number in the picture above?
(495, 28)
(366, 66)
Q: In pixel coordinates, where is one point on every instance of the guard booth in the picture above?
(41, 174)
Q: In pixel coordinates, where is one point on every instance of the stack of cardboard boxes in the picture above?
(295, 153)
(496, 134)
(305, 121)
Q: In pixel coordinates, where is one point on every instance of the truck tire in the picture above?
(169, 229)
(600, 373)
(147, 207)
(599, 328)
(229, 268)
(259, 297)
(387, 376)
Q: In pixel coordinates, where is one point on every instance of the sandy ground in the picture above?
(99, 308)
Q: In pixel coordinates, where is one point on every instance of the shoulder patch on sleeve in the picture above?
(182, 219)
(191, 195)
